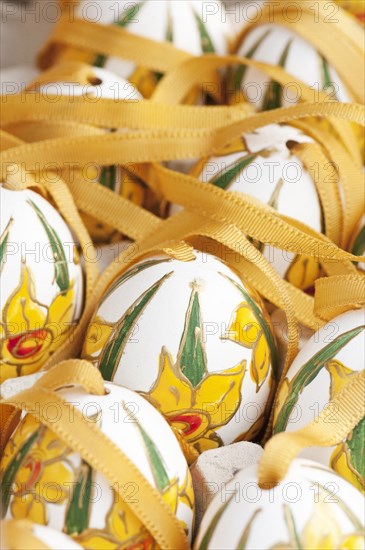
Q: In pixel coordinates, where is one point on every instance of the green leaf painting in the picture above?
(158, 468)
(192, 359)
(77, 516)
(113, 351)
(62, 276)
(240, 72)
(272, 99)
(225, 178)
(108, 177)
(205, 543)
(327, 81)
(3, 243)
(242, 543)
(308, 373)
(358, 247)
(8, 477)
(356, 447)
(131, 273)
(127, 18)
(205, 39)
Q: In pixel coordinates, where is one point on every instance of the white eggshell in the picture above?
(101, 84)
(33, 285)
(342, 360)
(52, 539)
(178, 18)
(15, 79)
(128, 420)
(275, 176)
(311, 508)
(175, 305)
(303, 61)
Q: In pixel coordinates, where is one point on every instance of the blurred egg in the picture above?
(263, 165)
(327, 362)
(98, 84)
(41, 282)
(280, 46)
(312, 508)
(194, 340)
(23, 534)
(49, 483)
(194, 26)
(357, 244)
(15, 79)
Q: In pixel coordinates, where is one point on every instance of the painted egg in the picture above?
(41, 282)
(262, 164)
(102, 84)
(50, 484)
(311, 508)
(357, 245)
(279, 46)
(23, 534)
(194, 340)
(322, 368)
(194, 26)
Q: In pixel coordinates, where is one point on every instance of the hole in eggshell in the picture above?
(291, 143)
(94, 80)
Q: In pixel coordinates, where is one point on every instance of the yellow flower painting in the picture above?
(30, 331)
(194, 401)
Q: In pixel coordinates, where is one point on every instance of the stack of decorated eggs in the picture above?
(185, 345)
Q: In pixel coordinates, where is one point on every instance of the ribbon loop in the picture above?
(281, 449)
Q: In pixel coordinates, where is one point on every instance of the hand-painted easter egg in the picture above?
(357, 244)
(322, 368)
(41, 282)
(311, 508)
(102, 84)
(194, 340)
(49, 483)
(263, 165)
(194, 26)
(23, 534)
(280, 46)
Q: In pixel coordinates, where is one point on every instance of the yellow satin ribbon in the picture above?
(281, 449)
(337, 294)
(97, 449)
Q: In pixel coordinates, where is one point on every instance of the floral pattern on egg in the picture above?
(323, 368)
(200, 382)
(41, 282)
(50, 484)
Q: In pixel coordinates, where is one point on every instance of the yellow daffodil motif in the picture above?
(30, 331)
(36, 471)
(322, 530)
(348, 457)
(194, 401)
(197, 410)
